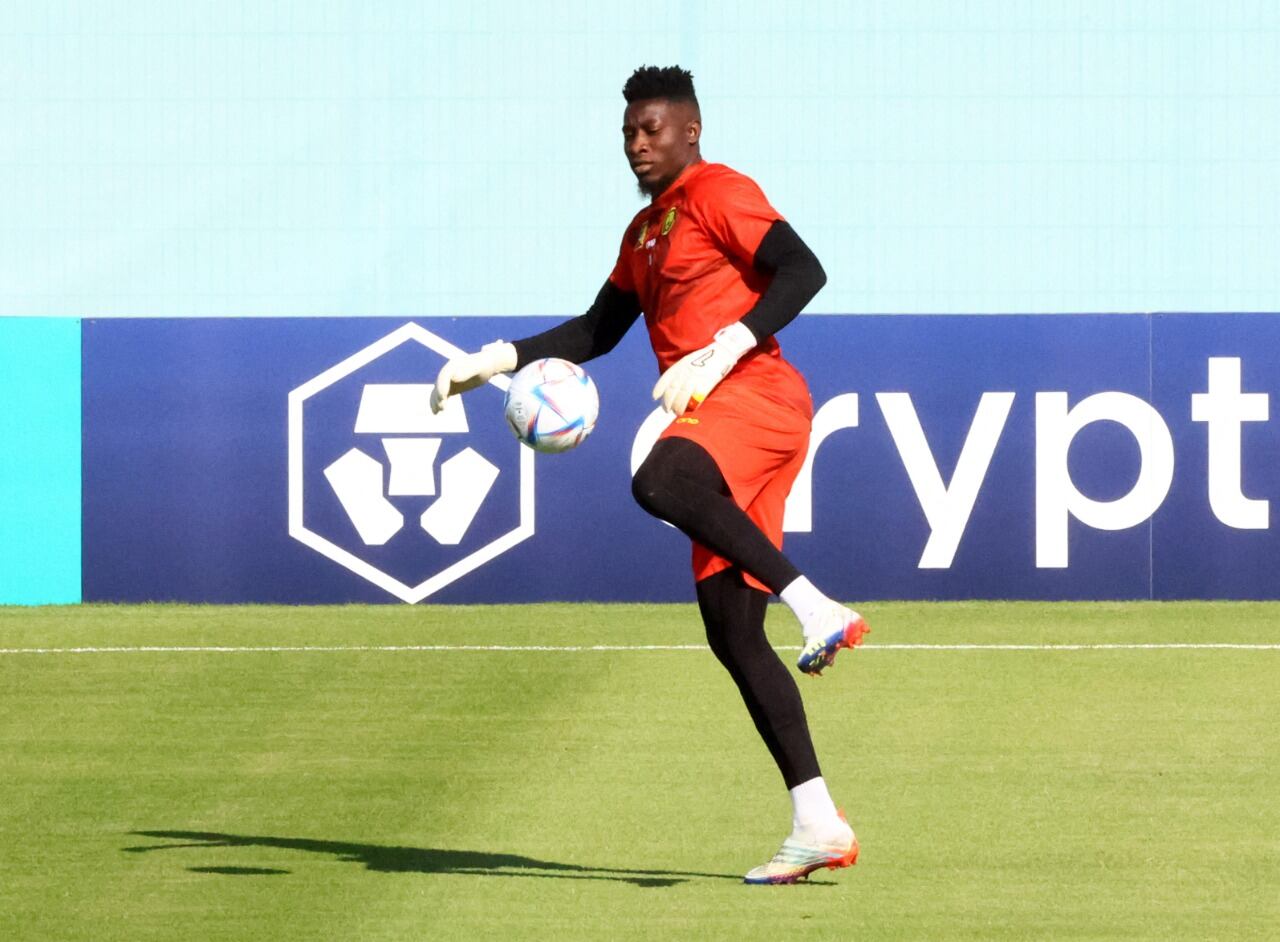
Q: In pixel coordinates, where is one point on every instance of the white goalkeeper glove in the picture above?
(471, 370)
(693, 376)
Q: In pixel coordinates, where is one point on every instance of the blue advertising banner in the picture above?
(1212, 381)
(189, 476)
(1046, 457)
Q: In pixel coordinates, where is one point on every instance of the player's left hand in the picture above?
(693, 376)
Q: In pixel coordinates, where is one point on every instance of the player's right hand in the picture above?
(471, 370)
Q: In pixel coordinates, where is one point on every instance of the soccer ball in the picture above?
(552, 405)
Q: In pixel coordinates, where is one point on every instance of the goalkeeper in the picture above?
(716, 272)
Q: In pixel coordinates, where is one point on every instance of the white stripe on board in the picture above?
(576, 648)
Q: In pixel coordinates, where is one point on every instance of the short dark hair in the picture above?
(650, 81)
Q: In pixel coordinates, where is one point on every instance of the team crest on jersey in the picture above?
(644, 231)
(668, 220)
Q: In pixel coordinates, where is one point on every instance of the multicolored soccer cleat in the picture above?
(820, 652)
(799, 856)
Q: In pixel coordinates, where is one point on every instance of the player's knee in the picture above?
(718, 633)
(676, 480)
(650, 487)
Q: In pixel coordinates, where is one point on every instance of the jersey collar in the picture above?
(679, 180)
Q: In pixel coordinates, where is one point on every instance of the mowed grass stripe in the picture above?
(558, 624)
(612, 648)
(358, 758)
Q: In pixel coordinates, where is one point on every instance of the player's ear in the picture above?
(693, 131)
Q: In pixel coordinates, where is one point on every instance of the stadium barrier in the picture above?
(1042, 457)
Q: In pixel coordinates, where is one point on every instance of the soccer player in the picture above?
(716, 272)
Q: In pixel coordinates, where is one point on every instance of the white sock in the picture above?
(806, 602)
(812, 808)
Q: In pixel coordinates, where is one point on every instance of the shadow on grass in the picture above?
(383, 859)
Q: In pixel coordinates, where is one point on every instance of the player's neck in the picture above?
(697, 159)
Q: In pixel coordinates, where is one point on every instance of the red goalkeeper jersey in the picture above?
(688, 256)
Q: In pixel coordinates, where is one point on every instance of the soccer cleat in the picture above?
(820, 652)
(801, 854)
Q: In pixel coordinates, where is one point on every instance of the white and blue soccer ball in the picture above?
(552, 405)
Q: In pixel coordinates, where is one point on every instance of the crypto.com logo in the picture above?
(370, 502)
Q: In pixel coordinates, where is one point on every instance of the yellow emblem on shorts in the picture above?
(668, 220)
(686, 420)
(644, 231)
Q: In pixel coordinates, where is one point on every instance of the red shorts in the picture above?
(755, 424)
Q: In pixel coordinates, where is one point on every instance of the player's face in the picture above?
(660, 138)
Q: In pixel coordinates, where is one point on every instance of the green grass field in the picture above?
(522, 794)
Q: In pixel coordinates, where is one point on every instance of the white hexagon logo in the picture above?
(412, 438)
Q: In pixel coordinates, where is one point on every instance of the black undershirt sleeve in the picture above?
(587, 336)
(797, 277)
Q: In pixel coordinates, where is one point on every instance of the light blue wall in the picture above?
(316, 157)
(40, 460)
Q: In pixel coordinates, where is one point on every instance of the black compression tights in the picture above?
(733, 613)
(680, 483)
